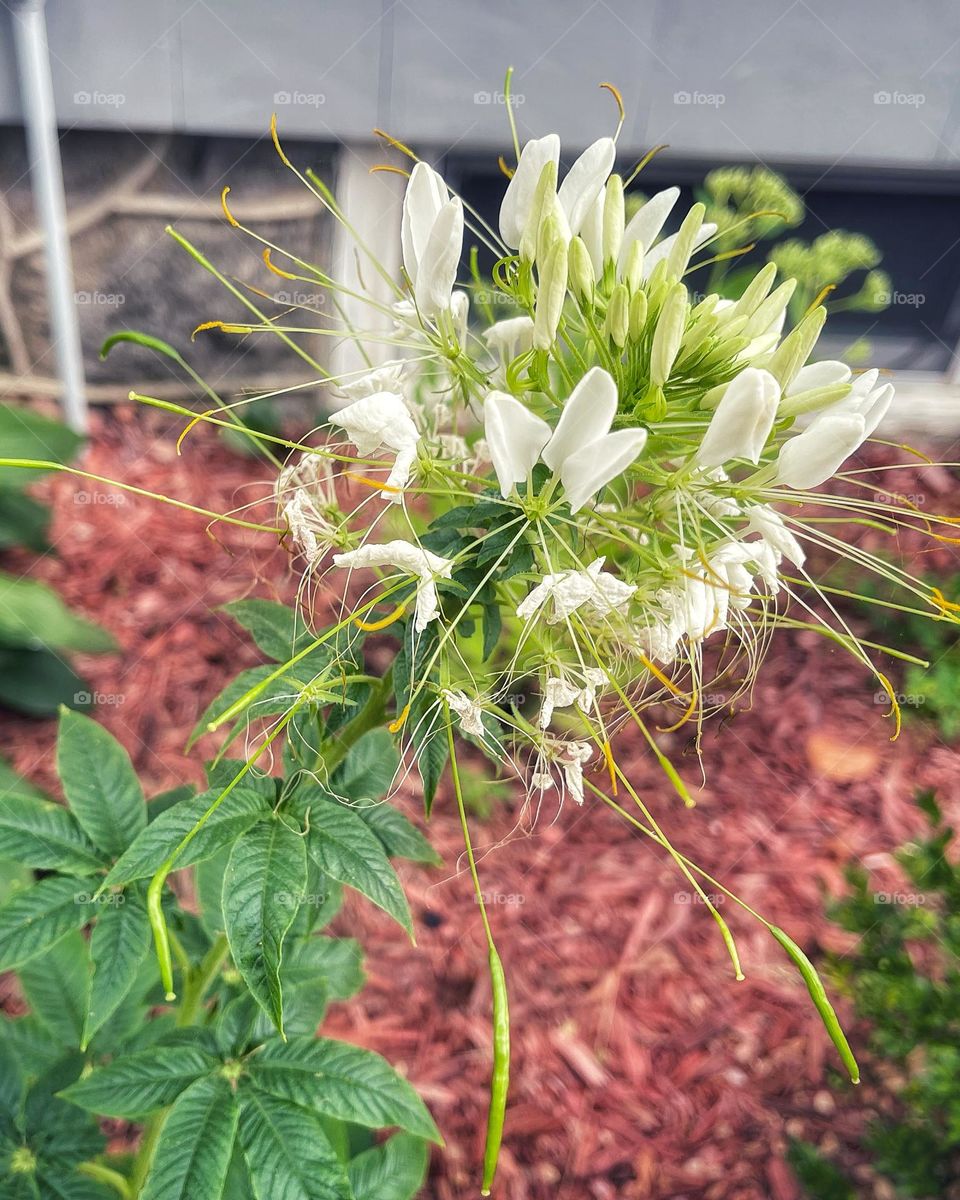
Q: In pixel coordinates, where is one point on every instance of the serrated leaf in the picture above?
(342, 1081)
(33, 617)
(394, 1171)
(196, 1144)
(234, 815)
(58, 1182)
(33, 920)
(277, 630)
(431, 754)
(338, 962)
(398, 835)
(56, 985)
(344, 847)
(118, 945)
(277, 697)
(263, 886)
(287, 1153)
(100, 784)
(44, 836)
(369, 768)
(138, 1084)
(224, 771)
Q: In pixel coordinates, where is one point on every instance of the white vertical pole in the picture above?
(40, 119)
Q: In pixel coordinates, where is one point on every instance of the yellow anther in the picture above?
(276, 142)
(502, 164)
(271, 266)
(226, 211)
(397, 725)
(611, 765)
(615, 93)
(370, 626)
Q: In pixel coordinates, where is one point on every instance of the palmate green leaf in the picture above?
(58, 1182)
(56, 985)
(368, 770)
(242, 808)
(398, 835)
(100, 784)
(263, 886)
(344, 847)
(288, 1155)
(196, 1144)
(118, 945)
(338, 962)
(28, 1040)
(394, 1171)
(138, 1084)
(342, 1081)
(31, 921)
(33, 616)
(44, 836)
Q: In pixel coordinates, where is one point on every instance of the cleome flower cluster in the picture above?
(584, 488)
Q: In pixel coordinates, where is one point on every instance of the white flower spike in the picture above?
(602, 592)
(415, 560)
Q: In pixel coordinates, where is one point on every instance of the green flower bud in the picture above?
(679, 257)
(546, 187)
(580, 271)
(668, 334)
(614, 219)
(796, 347)
(633, 272)
(638, 315)
(550, 294)
(615, 325)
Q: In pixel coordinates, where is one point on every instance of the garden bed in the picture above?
(640, 1067)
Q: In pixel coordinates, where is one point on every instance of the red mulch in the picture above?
(640, 1067)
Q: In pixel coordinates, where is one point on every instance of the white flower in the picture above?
(518, 198)
(646, 223)
(573, 756)
(511, 337)
(581, 450)
(307, 497)
(386, 378)
(415, 560)
(561, 693)
(584, 181)
(431, 238)
(569, 590)
(870, 402)
(818, 375)
(770, 525)
(811, 457)
(382, 419)
(742, 421)
(469, 712)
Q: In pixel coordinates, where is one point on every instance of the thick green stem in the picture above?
(371, 716)
(104, 1174)
(199, 981)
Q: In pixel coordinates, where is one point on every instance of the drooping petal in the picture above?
(385, 378)
(647, 222)
(426, 194)
(437, 272)
(511, 337)
(585, 180)
(742, 421)
(592, 467)
(770, 525)
(408, 557)
(811, 457)
(587, 415)
(514, 436)
(515, 209)
(381, 419)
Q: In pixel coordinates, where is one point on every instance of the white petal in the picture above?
(514, 436)
(770, 525)
(413, 559)
(511, 337)
(589, 469)
(592, 233)
(426, 194)
(811, 457)
(437, 270)
(876, 407)
(518, 198)
(381, 419)
(585, 180)
(382, 379)
(557, 693)
(469, 712)
(662, 249)
(587, 415)
(646, 222)
(742, 421)
(817, 375)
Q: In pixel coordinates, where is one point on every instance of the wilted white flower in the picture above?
(415, 560)
(469, 712)
(602, 592)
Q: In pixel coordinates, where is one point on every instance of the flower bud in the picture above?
(757, 290)
(795, 348)
(550, 295)
(686, 240)
(615, 324)
(633, 270)
(518, 198)
(613, 219)
(638, 315)
(580, 271)
(668, 334)
(770, 310)
(536, 214)
(811, 457)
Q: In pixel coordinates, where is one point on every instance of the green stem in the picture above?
(148, 1145)
(200, 980)
(105, 1174)
(371, 716)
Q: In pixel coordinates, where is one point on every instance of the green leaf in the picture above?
(140, 1083)
(56, 985)
(26, 434)
(288, 1155)
(223, 772)
(394, 1171)
(33, 920)
(338, 962)
(58, 1182)
(23, 522)
(13, 784)
(195, 1147)
(277, 697)
(278, 630)
(38, 682)
(368, 770)
(344, 847)
(342, 1081)
(263, 886)
(431, 756)
(241, 809)
(44, 836)
(33, 616)
(118, 945)
(100, 784)
(398, 835)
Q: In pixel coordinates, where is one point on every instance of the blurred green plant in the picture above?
(36, 628)
(904, 980)
(235, 1096)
